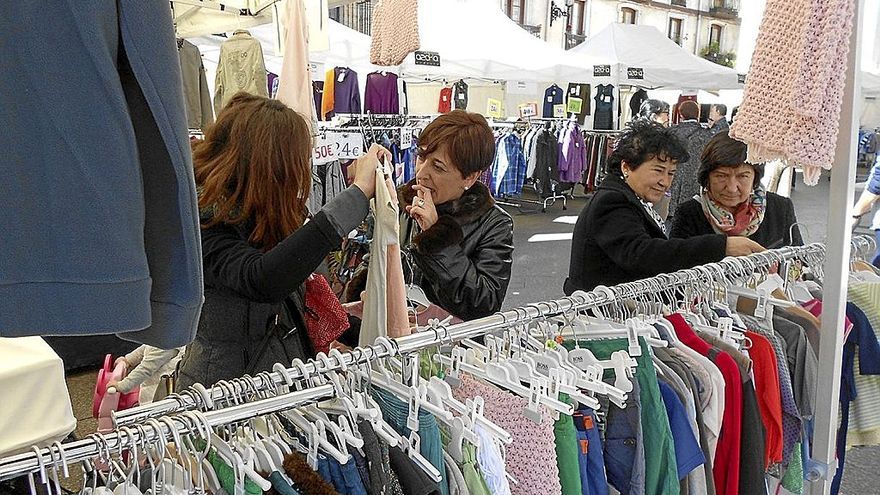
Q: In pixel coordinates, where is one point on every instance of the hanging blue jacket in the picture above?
(99, 219)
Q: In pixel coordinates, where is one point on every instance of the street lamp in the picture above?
(556, 12)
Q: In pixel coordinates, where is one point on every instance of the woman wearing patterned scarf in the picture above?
(733, 201)
(619, 236)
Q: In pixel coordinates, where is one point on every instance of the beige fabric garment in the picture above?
(295, 85)
(241, 68)
(385, 299)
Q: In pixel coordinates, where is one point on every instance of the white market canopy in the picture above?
(643, 56)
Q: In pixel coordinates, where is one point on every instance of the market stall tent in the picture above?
(643, 56)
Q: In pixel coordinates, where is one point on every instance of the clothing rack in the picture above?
(130, 424)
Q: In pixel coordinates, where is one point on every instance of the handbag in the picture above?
(324, 316)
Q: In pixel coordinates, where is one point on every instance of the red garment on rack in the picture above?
(725, 468)
(766, 371)
(445, 105)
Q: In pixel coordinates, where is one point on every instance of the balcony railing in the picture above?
(533, 30)
(572, 40)
(728, 9)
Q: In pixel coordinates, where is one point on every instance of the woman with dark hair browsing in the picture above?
(253, 175)
(619, 237)
(732, 201)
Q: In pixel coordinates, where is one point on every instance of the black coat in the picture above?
(246, 292)
(615, 240)
(463, 262)
(775, 230)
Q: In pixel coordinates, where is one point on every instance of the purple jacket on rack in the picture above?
(572, 154)
(381, 95)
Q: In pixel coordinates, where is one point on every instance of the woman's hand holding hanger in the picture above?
(364, 169)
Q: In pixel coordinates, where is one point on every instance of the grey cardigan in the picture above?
(99, 221)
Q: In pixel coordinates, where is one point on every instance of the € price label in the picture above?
(559, 111)
(575, 104)
(324, 150)
(348, 145)
(406, 135)
(493, 108)
(527, 110)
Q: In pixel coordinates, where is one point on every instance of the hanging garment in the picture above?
(346, 91)
(241, 68)
(582, 91)
(318, 93)
(660, 472)
(381, 95)
(864, 421)
(565, 436)
(546, 163)
(395, 31)
(531, 458)
(273, 81)
(769, 396)
(794, 93)
(295, 88)
(509, 167)
(385, 311)
(688, 455)
(552, 96)
(727, 456)
(590, 456)
(445, 104)
(635, 102)
(604, 118)
(328, 98)
(112, 142)
(196, 96)
(572, 154)
(460, 95)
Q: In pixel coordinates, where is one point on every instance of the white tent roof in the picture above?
(870, 84)
(476, 39)
(663, 64)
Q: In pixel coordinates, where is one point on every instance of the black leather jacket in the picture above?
(462, 262)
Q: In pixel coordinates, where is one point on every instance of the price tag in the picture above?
(324, 150)
(406, 135)
(527, 110)
(493, 108)
(348, 145)
(763, 300)
(575, 104)
(559, 111)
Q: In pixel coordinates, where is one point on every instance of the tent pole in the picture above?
(820, 471)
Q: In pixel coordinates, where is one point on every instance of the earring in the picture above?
(465, 188)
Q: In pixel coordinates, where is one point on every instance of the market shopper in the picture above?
(253, 175)
(619, 237)
(866, 201)
(694, 137)
(718, 118)
(732, 200)
(460, 241)
(654, 111)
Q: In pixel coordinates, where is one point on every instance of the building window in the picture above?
(675, 30)
(627, 15)
(680, 3)
(715, 34)
(577, 18)
(516, 10)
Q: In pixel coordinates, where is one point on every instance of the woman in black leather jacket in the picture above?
(460, 241)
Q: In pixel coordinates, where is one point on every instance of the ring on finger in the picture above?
(421, 202)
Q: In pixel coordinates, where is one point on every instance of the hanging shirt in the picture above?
(509, 167)
(381, 94)
(196, 96)
(347, 93)
(604, 118)
(688, 455)
(582, 91)
(295, 87)
(329, 96)
(572, 154)
(445, 105)
(552, 96)
(241, 68)
(318, 93)
(769, 396)
(460, 95)
(727, 456)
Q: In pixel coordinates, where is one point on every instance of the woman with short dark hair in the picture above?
(733, 202)
(619, 237)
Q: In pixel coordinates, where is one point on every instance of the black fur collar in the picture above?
(473, 204)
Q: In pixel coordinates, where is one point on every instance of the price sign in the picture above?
(324, 150)
(348, 145)
(559, 111)
(406, 135)
(493, 108)
(575, 104)
(527, 110)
